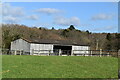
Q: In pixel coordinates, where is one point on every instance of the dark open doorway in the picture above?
(65, 50)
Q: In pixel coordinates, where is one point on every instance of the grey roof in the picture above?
(52, 41)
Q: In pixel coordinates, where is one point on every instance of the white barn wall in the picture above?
(37, 48)
(20, 44)
(76, 49)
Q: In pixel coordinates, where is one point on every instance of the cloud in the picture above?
(102, 17)
(9, 10)
(48, 10)
(67, 21)
(12, 14)
(108, 28)
(33, 17)
(10, 19)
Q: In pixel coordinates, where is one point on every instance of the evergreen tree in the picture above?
(109, 37)
(53, 28)
(108, 42)
(71, 27)
(87, 32)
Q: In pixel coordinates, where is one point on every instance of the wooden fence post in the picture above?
(108, 54)
(20, 52)
(71, 52)
(100, 52)
(39, 52)
(59, 52)
(84, 55)
(91, 52)
(15, 52)
(48, 52)
(32, 51)
(23, 51)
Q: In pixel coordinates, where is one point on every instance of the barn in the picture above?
(48, 47)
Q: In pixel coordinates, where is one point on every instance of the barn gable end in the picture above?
(20, 44)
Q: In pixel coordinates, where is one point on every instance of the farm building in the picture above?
(48, 47)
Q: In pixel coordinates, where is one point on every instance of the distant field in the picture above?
(59, 67)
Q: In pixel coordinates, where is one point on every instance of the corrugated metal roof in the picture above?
(52, 41)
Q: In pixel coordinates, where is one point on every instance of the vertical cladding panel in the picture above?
(37, 48)
(48, 48)
(76, 49)
(41, 48)
(31, 48)
(20, 45)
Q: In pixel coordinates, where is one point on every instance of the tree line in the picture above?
(105, 41)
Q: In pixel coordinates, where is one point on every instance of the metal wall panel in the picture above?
(41, 48)
(80, 49)
(20, 44)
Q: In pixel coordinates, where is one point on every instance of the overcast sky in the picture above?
(92, 16)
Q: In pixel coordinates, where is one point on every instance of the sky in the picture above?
(92, 16)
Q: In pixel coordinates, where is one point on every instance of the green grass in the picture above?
(119, 62)
(59, 67)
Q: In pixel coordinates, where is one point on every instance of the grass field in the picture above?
(59, 67)
(119, 63)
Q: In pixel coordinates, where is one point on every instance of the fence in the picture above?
(14, 52)
(59, 52)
